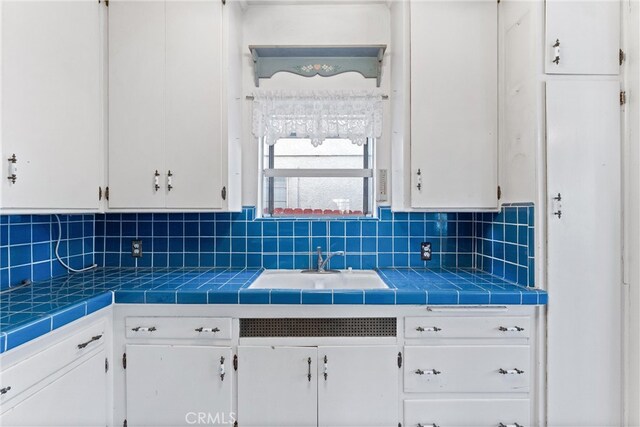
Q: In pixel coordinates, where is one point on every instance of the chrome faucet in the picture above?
(323, 262)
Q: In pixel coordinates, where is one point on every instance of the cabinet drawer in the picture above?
(178, 327)
(467, 327)
(465, 413)
(23, 375)
(462, 369)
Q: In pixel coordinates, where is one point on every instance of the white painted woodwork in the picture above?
(274, 388)
(194, 103)
(466, 368)
(467, 327)
(77, 396)
(167, 384)
(584, 327)
(51, 104)
(361, 387)
(465, 413)
(182, 327)
(589, 36)
(136, 103)
(454, 109)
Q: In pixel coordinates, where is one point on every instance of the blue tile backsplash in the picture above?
(498, 243)
(27, 244)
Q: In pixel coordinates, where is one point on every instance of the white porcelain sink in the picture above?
(296, 279)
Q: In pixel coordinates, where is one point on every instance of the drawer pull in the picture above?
(427, 372)
(325, 368)
(430, 329)
(84, 344)
(509, 425)
(309, 369)
(5, 390)
(427, 425)
(201, 329)
(221, 370)
(143, 329)
(514, 371)
(510, 329)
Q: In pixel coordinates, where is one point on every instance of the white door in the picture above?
(454, 104)
(194, 104)
(136, 104)
(78, 399)
(582, 37)
(360, 387)
(170, 385)
(584, 252)
(51, 104)
(277, 386)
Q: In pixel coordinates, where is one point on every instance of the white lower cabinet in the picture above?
(318, 386)
(467, 413)
(174, 385)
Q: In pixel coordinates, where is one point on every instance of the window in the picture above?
(333, 178)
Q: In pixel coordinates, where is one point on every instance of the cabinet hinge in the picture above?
(621, 56)
(499, 192)
(124, 360)
(106, 193)
(399, 359)
(224, 193)
(106, 365)
(235, 362)
(124, 423)
(99, 193)
(623, 97)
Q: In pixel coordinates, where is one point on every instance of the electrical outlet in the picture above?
(425, 251)
(136, 248)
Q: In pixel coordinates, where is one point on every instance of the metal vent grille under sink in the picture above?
(320, 327)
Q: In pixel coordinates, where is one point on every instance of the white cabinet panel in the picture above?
(203, 328)
(465, 413)
(467, 369)
(51, 104)
(360, 388)
(467, 327)
(277, 386)
(136, 103)
(169, 385)
(78, 397)
(587, 34)
(454, 94)
(583, 165)
(194, 104)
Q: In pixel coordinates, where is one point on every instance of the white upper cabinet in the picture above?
(582, 37)
(454, 104)
(51, 105)
(169, 105)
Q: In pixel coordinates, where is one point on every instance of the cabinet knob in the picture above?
(514, 371)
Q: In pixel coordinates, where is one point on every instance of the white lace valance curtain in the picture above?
(318, 115)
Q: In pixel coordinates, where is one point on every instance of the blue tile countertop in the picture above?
(34, 310)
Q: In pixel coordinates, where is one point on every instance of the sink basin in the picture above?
(296, 279)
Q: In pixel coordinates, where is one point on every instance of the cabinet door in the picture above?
(136, 104)
(76, 398)
(583, 166)
(588, 34)
(277, 386)
(194, 104)
(454, 94)
(51, 104)
(360, 387)
(169, 385)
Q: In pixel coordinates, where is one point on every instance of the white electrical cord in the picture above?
(74, 270)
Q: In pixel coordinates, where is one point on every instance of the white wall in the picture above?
(330, 24)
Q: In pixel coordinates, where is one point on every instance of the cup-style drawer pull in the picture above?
(509, 425)
(429, 329)
(427, 372)
(5, 390)
(202, 329)
(510, 329)
(514, 371)
(84, 344)
(144, 329)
